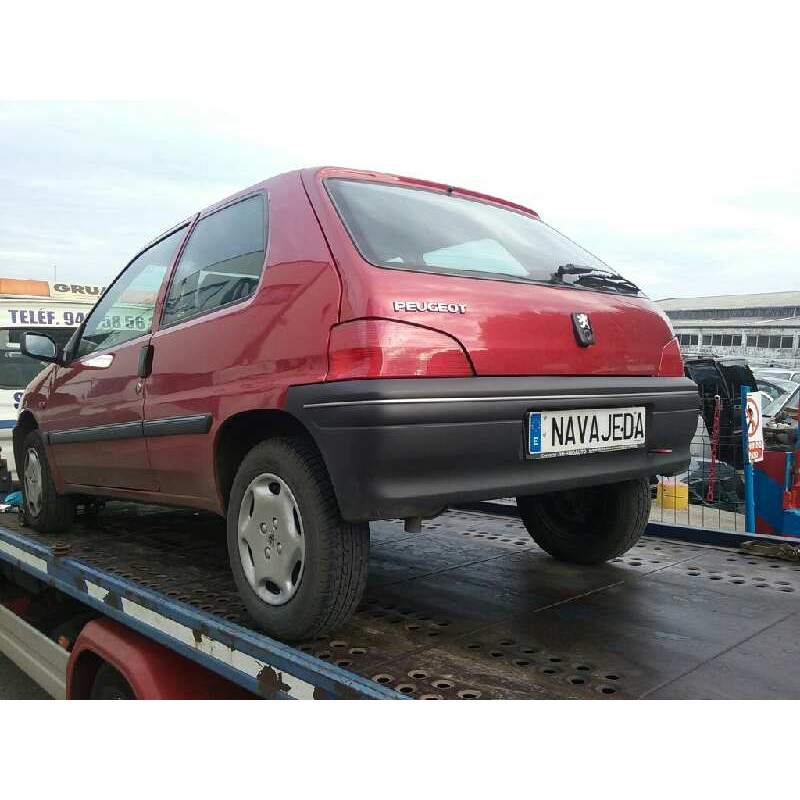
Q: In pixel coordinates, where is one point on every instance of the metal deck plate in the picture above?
(471, 608)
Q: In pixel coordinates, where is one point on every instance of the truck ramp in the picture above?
(471, 608)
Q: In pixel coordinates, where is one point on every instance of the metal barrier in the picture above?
(711, 494)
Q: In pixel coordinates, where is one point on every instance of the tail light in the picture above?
(377, 348)
(671, 364)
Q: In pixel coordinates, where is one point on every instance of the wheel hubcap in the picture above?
(33, 482)
(272, 546)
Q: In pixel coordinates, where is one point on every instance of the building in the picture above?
(763, 328)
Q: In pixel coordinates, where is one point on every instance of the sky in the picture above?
(664, 139)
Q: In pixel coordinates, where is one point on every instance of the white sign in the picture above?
(755, 427)
(25, 314)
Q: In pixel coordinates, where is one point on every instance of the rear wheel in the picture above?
(588, 525)
(299, 567)
(44, 508)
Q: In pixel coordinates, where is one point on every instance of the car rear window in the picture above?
(429, 231)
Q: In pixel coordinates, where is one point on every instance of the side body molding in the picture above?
(169, 426)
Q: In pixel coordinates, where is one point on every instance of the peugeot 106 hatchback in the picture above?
(331, 347)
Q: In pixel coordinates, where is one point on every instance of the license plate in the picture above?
(587, 430)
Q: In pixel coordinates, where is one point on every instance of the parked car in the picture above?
(784, 402)
(332, 347)
(770, 389)
(780, 417)
(768, 373)
(724, 377)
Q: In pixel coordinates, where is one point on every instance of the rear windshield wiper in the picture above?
(607, 280)
(591, 277)
(570, 269)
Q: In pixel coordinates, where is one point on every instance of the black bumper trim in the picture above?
(409, 447)
(511, 398)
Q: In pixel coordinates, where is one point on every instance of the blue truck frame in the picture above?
(257, 663)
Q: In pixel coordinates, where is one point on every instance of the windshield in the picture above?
(779, 374)
(786, 400)
(18, 370)
(772, 390)
(417, 229)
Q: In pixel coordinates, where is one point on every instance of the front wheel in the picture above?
(588, 525)
(110, 685)
(44, 508)
(299, 567)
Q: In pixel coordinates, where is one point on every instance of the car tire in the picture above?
(109, 684)
(588, 525)
(299, 567)
(45, 510)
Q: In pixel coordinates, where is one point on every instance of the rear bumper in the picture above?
(409, 447)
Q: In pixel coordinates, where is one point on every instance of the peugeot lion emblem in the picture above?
(582, 326)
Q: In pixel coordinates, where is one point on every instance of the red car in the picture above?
(333, 346)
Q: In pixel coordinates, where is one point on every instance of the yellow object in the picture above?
(24, 287)
(673, 495)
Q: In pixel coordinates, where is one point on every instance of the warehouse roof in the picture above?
(729, 301)
(737, 323)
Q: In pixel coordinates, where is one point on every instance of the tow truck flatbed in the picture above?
(470, 608)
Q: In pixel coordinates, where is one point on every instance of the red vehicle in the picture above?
(331, 347)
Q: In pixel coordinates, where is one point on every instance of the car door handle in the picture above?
(145, 361)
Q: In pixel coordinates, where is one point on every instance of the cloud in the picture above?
(664, 143)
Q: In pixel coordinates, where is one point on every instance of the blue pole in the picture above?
(749, 500)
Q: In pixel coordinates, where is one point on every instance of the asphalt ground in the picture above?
(16, 685)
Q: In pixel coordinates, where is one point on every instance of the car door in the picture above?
(94, 414)
(208, 322)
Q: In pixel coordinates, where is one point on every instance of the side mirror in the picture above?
(38, 345)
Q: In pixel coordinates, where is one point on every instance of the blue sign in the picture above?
(535, 433)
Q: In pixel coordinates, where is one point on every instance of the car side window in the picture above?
(126, 310)
(221, 263)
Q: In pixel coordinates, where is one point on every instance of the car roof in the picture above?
(781, 383)
(320, 173)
